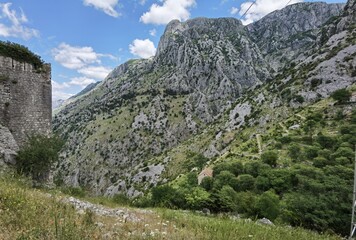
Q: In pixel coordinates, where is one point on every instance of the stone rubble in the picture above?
(124, 214)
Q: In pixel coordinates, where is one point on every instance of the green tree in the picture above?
(270, 158)
(227, 199)
(311, 152)
(245, 203)
(267, 205)
(294, 152)
(38, 155)
(344, 152)
(262, 183)
(281, 180)
(192, 179)
(320, 162)
(309, 128)
(341, 95)
(197, 198)
(256, 168)
(235, 168)
(207, 183)
(245, 182)
(225, 178)
(326, 141)
(167, 196)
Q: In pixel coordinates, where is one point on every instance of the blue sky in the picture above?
(85, 39)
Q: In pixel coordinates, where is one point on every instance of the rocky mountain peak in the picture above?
(177, 32)
(209, 57)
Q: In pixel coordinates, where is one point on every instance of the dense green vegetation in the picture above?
(27, 213)
(20, 53)
(38, 155)
(303, 178)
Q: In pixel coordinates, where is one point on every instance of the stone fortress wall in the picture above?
(25, 98)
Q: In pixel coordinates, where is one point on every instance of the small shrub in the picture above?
(121, 199)
(37, 156)
(74, 191)
(341, 95)
(270, 158)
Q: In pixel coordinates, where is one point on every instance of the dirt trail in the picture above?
(259, 143)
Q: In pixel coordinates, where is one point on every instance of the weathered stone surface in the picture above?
(8, 147)
(124, 214)
(265, 221)
(287, 34)
(348, 19)
(214, 60)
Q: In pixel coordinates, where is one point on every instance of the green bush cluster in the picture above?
(20, 53)
(341, 95)
(38, 155)
(314, 192)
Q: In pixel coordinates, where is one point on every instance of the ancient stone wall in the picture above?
(25, 98)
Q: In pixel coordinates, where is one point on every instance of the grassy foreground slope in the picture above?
(27, 213)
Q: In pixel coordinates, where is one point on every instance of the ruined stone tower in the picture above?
(25, 98)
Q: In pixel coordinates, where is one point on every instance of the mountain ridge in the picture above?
(147, 108)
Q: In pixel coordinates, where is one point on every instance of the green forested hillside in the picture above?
(302, 175)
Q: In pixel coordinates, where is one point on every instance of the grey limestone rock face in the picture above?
(349, 16)
(8, 147)
(287, 34)
(214, 61)
(265, 221)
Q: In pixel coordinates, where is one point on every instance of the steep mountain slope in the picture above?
(147, 106)
(85, 90)
(151, 120)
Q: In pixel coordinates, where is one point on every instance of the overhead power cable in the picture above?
(254, 2)
(288, 2)
(248, 9)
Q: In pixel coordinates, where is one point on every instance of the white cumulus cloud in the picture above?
(13, 24)
(73, 57)
(61, 90)
(97, 72)
(81, 81)
(234, 10)
(262, 8)
(108, 6)
(153, 32)
(143, 48)
(56, 86)
(58, 90)
(85, 61)
(169, 10)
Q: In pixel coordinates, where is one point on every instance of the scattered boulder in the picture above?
(294, 127)
(8, 147)
(265, 221)
(206, 211)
